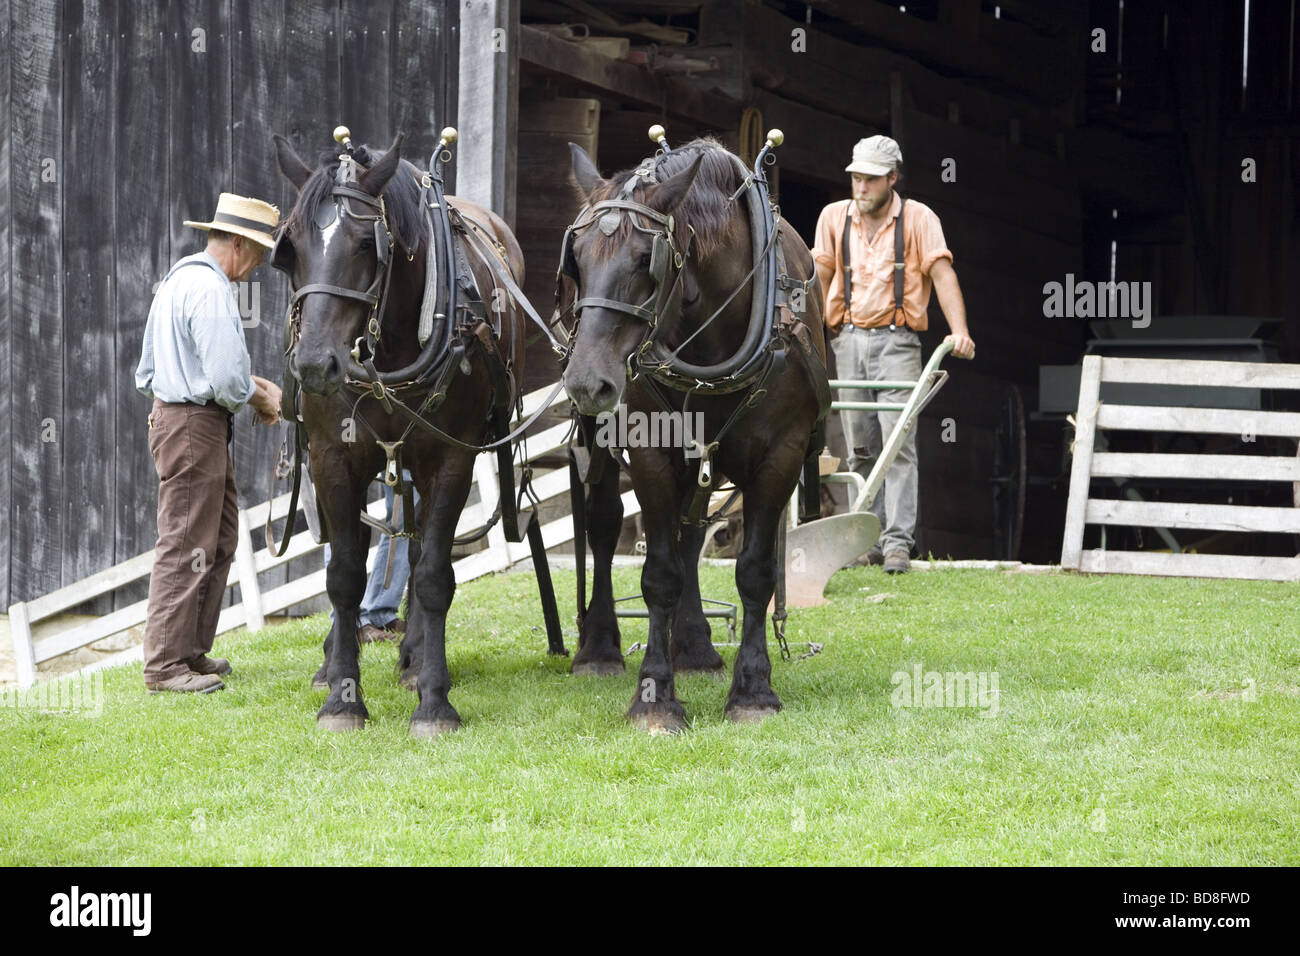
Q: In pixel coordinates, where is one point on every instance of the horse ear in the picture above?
(585, 174)
(291, 164)
(374, 179)
(668, 194)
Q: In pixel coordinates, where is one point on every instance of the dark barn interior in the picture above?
(1112, 156)
(1138, 141)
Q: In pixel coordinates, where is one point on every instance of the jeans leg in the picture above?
(899, 358)
(850, 363)
(380, 604)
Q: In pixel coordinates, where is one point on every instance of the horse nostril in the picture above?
(332, 367)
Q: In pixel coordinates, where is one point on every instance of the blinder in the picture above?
(383, 240)
(281, 254)
(568, 260)
(660, 256)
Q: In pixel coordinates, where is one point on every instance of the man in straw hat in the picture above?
(875, 310)
(195, 367)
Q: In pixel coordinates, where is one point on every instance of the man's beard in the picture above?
(867, 206)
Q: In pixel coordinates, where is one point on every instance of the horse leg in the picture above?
(692, 644)
(345, 580)
(751, 696)
(433, 586)
(410, 654)
(655, 706)
(599, 647)
(320, 680)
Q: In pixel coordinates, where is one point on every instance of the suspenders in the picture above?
(898, 266)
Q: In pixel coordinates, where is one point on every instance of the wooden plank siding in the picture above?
(90, 293)
(37, 175)
(6, 315)
(144, 239)
(143, 123)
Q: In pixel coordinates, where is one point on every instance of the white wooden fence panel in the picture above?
(1210, 421)
(255, 603)
(1093, 415)
(1210, 517)
(1206, 374)
(1109, 464)
(1238, 566)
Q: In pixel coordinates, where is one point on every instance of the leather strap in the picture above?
(899, 238)
(846, 261)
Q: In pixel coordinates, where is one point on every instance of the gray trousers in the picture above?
(879, 354)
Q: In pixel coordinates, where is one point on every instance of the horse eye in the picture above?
(368, 242)
(645, 260)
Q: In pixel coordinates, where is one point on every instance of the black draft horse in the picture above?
(611, 260)
(330, 244)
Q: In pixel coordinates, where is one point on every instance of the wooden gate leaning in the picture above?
(1095, 417)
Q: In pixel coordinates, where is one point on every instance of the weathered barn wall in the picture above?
(118, 121)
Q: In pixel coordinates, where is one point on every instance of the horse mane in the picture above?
(707, 207)
(402, 196)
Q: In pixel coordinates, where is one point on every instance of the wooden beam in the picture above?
(633, 83)
(1236, 566)
(488, 104)
(1004, 52)
(1178, 514)
(1201, 374)
(1111, 464)
(1085, 434)
(1217, 421)
(819, 76)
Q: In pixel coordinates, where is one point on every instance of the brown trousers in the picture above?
(198, 529)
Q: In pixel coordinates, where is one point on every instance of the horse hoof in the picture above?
(598, 668)
(657, 725)
(409, 680)
(319, 683)
(340, 722)
(750, 715)
(428, 729)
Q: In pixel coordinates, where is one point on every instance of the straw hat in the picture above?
(250, 218)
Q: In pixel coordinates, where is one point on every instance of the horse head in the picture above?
(627, 264)
(337, 247)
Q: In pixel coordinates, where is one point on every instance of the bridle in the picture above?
(653, 358)
(665, 255)
(375, 295)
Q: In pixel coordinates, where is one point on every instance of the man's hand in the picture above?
(963, 346)
(265, 401)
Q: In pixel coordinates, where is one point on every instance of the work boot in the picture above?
(897, 561)
(187, 683)
(369, 634)
(872, 557)
(209, 665)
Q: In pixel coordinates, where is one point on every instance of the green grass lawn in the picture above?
(1139, 720)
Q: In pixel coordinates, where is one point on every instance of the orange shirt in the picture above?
(873, 263)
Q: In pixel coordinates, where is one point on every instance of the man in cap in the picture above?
(875, 310)
(195, 366)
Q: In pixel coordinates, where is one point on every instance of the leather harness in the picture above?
(894, 321)
(451, 289)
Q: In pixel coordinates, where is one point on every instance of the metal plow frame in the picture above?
(815, 550)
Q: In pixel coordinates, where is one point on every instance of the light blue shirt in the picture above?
(194, 349)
